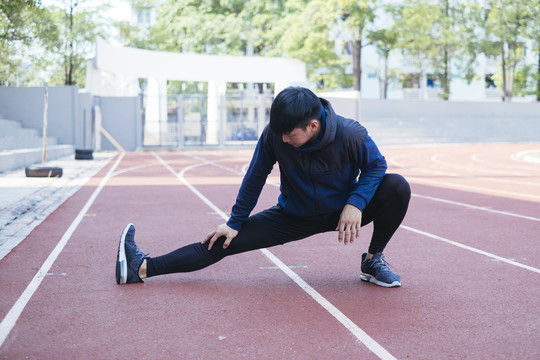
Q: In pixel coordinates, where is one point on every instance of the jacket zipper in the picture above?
(317, 202)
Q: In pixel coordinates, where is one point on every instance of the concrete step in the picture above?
(23, 142)
(15, 128)
(22, 132)
(10, 127)
(6, 124)
(20, 158)
(21, 147)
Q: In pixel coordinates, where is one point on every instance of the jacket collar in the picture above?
(328, 130)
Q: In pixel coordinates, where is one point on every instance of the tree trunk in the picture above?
(503, 64)
(445, 81)
(356, 47)
(385, 91)
(512, 54)
(69, 61)
(538, 79)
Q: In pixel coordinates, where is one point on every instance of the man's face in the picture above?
(299, 137)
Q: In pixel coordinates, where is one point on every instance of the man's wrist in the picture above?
(234, 224)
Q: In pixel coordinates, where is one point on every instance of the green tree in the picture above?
(430, 35)
(79, 26)
(202, 26)
(533, 7)
(385, 41)
(294, 28)
(506, 26)
(469, 23)
(137, 35)
(356, 16)
(23, 24)
(306, 35)
(413, 25)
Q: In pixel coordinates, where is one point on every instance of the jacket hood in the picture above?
(329, 129)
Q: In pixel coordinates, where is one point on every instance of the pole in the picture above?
(44, 171)
(45, 118)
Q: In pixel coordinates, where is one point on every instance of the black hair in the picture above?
(293, 108)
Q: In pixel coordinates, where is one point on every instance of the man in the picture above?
(333, 178)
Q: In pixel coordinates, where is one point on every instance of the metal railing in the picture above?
(239, 121)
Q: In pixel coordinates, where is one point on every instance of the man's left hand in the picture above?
(349, 224)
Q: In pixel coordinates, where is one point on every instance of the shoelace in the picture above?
(381, 264)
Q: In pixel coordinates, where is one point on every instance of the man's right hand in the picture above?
(222, 230)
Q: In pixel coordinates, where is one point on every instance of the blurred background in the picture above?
(132, 74)
(451, 49)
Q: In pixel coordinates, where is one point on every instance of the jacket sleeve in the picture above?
(372, 165)
(261, 165)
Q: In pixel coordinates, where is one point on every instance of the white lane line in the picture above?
(495, 257)
(470, 248)
(520, 167)
(13, 315)
(529, 156)
(138, 167)
(436, 159)
(445, 173)
(447, 202)
(360, 334)
(474, 207)
(478, 189)
(216, 164)
(479, 177)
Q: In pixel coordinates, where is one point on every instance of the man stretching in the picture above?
(333, 178)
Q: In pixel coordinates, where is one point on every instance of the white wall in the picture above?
(70, 114)
(400, 122)
(26, 104)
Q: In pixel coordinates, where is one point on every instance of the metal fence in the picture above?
(246, 117)
(240, 120)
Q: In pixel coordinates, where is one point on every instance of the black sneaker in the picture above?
(376, 271)
(129, 258)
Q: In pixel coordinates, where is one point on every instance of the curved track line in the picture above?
(458, 186)
(481, 190)
(13, 315)
(133, 168)
(456, 203)
(524, 156)
(393, 160)
(453, 242)
(483, 177)
(436, 159)
(216, 164)
(524, 165)
(360, 334)
(475, 207)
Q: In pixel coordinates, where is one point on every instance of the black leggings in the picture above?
(272, 227)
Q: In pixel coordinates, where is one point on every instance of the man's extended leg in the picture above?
(266, 229)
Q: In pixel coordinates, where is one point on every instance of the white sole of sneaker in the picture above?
(373, 280)
(121, 260)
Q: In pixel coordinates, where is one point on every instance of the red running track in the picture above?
(468, 254)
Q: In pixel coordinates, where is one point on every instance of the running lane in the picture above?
(454, 303)
(233, 309)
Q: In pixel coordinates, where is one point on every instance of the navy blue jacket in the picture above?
(316, 180)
